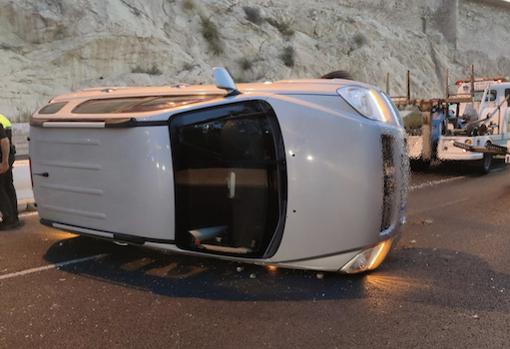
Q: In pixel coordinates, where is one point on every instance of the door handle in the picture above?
(43, 174)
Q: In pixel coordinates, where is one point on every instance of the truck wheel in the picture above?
(486, 163)
(420, 165)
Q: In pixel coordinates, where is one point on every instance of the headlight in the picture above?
(368, 259)
(370, 103)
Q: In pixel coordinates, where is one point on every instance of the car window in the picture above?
(137, 104)
(491, 96)
(52, 108)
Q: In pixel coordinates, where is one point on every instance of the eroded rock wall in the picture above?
(48, 47)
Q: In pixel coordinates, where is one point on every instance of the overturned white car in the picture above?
(303, 174)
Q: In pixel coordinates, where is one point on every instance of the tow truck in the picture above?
(479, 132)
(471, 125)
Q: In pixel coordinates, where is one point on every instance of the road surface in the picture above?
(447, 285)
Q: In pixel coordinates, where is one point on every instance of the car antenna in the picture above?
(224, 81)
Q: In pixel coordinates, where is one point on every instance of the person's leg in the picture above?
(6, 208)
(11, 193)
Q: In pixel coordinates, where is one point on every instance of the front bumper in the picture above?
(446, 150)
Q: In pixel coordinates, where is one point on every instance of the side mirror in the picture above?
(224, 81)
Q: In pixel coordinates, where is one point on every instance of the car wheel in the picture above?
(486, 163)
(420, 165)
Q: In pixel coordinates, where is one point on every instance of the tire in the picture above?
(486, 163)
(419, 165)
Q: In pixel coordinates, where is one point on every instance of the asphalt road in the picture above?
(447, 285)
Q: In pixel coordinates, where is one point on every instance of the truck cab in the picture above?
(495, 103)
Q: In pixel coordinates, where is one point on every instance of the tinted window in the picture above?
(52, 108)
(491, 96)
(229, 174)
(136, 104)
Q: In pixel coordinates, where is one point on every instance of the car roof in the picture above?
(71, 101)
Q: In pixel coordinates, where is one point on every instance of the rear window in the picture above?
(137, 104)
(52, 108)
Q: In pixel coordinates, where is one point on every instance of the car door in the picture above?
(230, 178)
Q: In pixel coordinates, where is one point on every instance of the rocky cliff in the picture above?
(48, 47)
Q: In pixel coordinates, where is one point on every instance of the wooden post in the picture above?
(446, 90)
(408, 83)
(388, 84)
(472, 81)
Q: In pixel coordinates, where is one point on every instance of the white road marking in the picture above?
(434, 183)
(51, 266)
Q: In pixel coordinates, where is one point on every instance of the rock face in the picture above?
(48, 47)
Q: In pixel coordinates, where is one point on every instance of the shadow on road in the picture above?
(435, 277)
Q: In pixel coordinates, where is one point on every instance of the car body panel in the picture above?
(117, 180)
(329, 161)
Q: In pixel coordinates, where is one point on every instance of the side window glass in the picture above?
(491, 96)
(52, 108)
(136, 104)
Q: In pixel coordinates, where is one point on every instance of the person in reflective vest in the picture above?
(8, 199)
